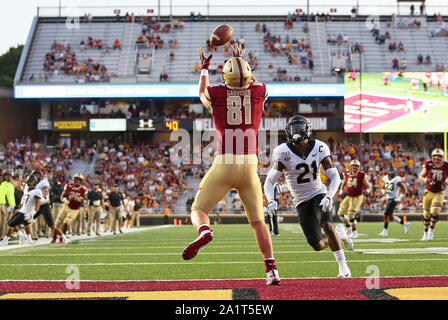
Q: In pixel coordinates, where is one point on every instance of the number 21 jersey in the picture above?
(303, 169)
(237, 116)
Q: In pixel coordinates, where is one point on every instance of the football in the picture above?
(221, 35)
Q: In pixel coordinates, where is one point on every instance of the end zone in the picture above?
(415, 288)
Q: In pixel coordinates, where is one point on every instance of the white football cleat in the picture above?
(272, 277)
(348, 230)
(29, 242)
(406, 225)
(425, 236)
(344, 274)
(383, 233)
(431, 234)
(354, 234)
(340, 230)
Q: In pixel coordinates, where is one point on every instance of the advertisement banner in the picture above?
(70, 125)
(110, 125)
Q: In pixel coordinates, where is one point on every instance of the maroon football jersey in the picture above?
(354, 183)
(237, 116)
(436, 176)
(75, 196)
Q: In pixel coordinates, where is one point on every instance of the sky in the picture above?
(16, 15)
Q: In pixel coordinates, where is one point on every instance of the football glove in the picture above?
(10, 209)
(327, 204)
(272, 207)
(205, 62)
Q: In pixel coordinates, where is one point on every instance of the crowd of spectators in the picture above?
(152, 29)
(151, 174)
(62, 60)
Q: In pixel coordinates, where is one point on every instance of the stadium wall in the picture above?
(17, 117)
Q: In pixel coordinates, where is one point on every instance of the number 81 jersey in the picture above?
(302, 171)
(237, 116)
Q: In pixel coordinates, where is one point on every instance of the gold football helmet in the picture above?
(437, 152)
(78, 175)
(355, 162)
(237, 72)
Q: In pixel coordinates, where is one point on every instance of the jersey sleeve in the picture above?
(324, 151)
(38, 194)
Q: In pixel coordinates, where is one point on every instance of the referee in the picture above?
(272, 214)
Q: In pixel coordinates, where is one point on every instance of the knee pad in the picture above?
(426, 221)
(68, 221)
(434, 218)
(352, 216)
(426, 214)
(435, 211)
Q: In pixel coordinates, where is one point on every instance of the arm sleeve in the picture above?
(271, 178)
(333, 175)
(324, 152)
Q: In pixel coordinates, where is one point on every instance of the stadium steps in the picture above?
(319, 47)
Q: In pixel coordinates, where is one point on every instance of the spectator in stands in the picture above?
(214, 69)
(401, 47)
(420, 59)
(353, 14)
(428, 59)
(305, 28)
(196, 68)
(82, 45)
(422, 9)
(392, 46)
(395, 64)
(163, 76)
(117, 44)
(403, 64)
(171, 56)
(258, 27)
(412, 9)
(310, 61)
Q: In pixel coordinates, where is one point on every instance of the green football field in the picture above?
(155, 254)
(434, 119)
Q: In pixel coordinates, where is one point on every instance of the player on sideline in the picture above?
(434, 174)
(355, 181)
(28, 207)
(236, 107)
(300, 159)
(272, 211)
(393, 184)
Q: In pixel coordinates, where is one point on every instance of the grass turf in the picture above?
(233, 254)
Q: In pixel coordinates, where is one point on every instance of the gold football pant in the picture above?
(232, 172)
(350, 205)
(432, 203)
(66, 216)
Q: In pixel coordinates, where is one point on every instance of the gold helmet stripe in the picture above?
(241, 71)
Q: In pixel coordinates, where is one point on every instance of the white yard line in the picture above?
(46, 241)
(207, 263)
(207, 280)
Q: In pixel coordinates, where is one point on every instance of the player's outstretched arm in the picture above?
(272, 177)
(204, 81)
